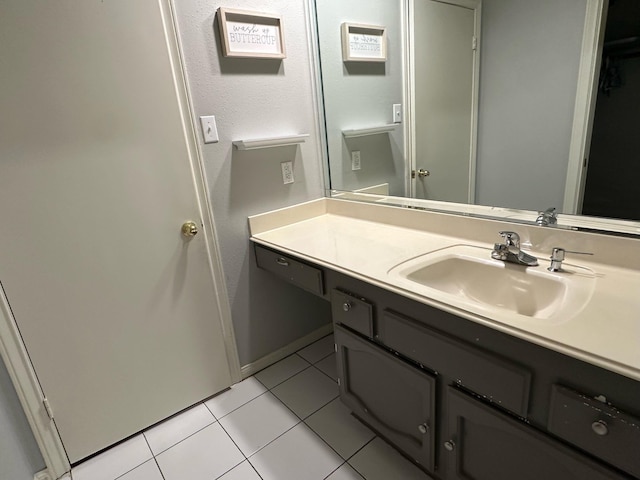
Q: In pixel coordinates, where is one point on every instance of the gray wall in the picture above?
(530, 52)
(255, 99)
(360, 95)
(19, 454)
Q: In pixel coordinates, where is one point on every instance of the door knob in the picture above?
(189, 229)
(421, 173)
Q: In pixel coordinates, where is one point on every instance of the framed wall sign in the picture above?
(364, 43)
(251, 34)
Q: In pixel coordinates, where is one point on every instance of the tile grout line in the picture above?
(309, 364)
(324, 373)
(154, 457)
(319, 360)
(358, 451)
(179, 441)
(239, 407)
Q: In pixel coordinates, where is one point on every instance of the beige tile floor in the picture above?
(284, 423)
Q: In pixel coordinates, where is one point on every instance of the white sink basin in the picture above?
(469, 277)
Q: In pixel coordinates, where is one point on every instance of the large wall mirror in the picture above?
(516, 105)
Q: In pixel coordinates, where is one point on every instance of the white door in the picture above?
(444, 69)
(116, 308)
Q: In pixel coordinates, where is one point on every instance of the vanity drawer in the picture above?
(596, 427)
(294, 271)
(352, 311)
(495, 378)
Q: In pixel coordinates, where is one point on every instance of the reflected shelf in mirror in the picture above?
(363, 132)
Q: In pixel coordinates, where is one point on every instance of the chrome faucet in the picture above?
(509, 251)
(548, 217)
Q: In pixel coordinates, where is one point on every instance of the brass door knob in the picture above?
(189, 229)
(422, 173)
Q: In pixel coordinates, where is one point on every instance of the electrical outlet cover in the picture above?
(287, 172)
(356, 160)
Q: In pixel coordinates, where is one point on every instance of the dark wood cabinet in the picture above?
(482, 443)
(465, 401)
(394, 398)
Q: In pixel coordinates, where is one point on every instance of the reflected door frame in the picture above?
(585, 106)
(410, 94)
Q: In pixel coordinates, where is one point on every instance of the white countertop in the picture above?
(367, 241)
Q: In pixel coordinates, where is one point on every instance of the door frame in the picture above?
(12, 348)
(410, 94)
(585, 106)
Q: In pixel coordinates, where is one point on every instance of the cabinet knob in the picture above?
(423, 428)
(282, 261)
(600, 427)
(346, 306)
(449, 446)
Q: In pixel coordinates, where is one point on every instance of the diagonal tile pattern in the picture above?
(284, 423)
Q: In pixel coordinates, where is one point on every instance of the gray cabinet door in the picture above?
(393, 397)
(483, 444)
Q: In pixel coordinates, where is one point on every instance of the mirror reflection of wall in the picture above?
(530, 56)
(359, 95)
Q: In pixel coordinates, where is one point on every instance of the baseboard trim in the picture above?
(285, 351)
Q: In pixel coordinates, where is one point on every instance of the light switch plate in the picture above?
(209, 129)
(397, 113)
(287, 172)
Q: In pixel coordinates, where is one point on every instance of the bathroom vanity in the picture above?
(467, 385)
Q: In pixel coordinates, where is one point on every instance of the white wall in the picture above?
(255, 99)
(20, 457)
(360, 95)
(529, 59)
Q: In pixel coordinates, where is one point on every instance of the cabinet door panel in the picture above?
(488, 445)
(395, 398)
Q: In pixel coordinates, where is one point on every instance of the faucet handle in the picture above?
(511, 238)
(557, 257)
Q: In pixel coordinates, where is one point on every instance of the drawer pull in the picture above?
(600, 427)
(449, 446)
(346, 306)
(282, 261)
(423, 428)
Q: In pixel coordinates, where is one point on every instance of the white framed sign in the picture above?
(251, 34)
(364, 43)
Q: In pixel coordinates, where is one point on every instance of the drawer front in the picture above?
(353, 312)
(291, 270)
(596, 428)
(498, 380)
